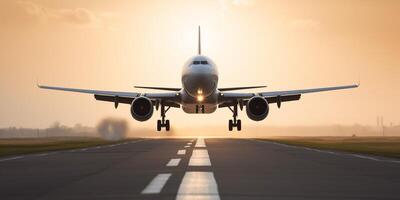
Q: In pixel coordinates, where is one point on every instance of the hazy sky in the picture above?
(114, 45)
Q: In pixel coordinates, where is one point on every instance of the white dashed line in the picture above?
(200, 143)
(200, 157)
(13, 158)
(173, 162)
(181, 152)
(187, 146)
(157, 184)
(198, 185)
(189, 143)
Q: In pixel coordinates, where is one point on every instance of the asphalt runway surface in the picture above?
(198, 169)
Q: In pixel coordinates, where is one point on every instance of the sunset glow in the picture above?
(113, 45)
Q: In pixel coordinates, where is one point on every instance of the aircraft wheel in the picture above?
(230, 125)
(158, 125)
(167, 125)
(239, 125)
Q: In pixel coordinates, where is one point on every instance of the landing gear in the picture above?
(163, 123)
(235, 123)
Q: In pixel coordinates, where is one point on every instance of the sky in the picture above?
(114, 45)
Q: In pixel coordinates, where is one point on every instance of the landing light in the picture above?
(200, 98)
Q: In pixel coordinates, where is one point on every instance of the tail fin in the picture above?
(199, 45)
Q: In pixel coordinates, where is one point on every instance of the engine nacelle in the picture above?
(257, 108)
(142, 108)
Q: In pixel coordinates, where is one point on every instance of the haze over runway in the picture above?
(201, 168)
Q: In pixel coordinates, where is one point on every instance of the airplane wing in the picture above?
(120, 97)
(304, 91)
(276, 96)
(96, 92)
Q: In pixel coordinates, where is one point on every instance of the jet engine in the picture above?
(142, 108)
(257, 108)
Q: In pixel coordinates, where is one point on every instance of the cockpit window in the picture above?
(197, 62)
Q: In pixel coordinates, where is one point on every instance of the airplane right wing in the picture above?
(96, 92)
(170, 98)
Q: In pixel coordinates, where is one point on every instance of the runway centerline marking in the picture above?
(200, 143)
(198, 185)
(181, 152)
(13, 158)
(200, 157)
(173, 162)
(157, 184)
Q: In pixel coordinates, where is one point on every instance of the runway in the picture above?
(198, 169)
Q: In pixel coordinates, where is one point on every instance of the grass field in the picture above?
(380, 146)
(24, 146)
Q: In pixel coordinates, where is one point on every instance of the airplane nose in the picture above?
(201, 84)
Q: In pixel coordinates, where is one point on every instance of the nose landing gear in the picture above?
(235, 123)
(163, 123)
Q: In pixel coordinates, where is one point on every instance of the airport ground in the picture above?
(18, 146)
(379, 146)
(199, 168)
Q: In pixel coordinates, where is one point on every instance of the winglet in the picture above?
(199, 44)
(37, 83)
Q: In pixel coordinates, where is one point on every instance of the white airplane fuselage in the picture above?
(199, 85)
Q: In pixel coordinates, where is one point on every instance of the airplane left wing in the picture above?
(229, 99)
(304, 91)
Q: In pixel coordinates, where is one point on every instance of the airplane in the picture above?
(199, 94)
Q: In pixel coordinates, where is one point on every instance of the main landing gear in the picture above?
(235, 123)
(163, 123)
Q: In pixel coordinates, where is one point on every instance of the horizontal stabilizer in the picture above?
(159, 88)
(240, 88)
